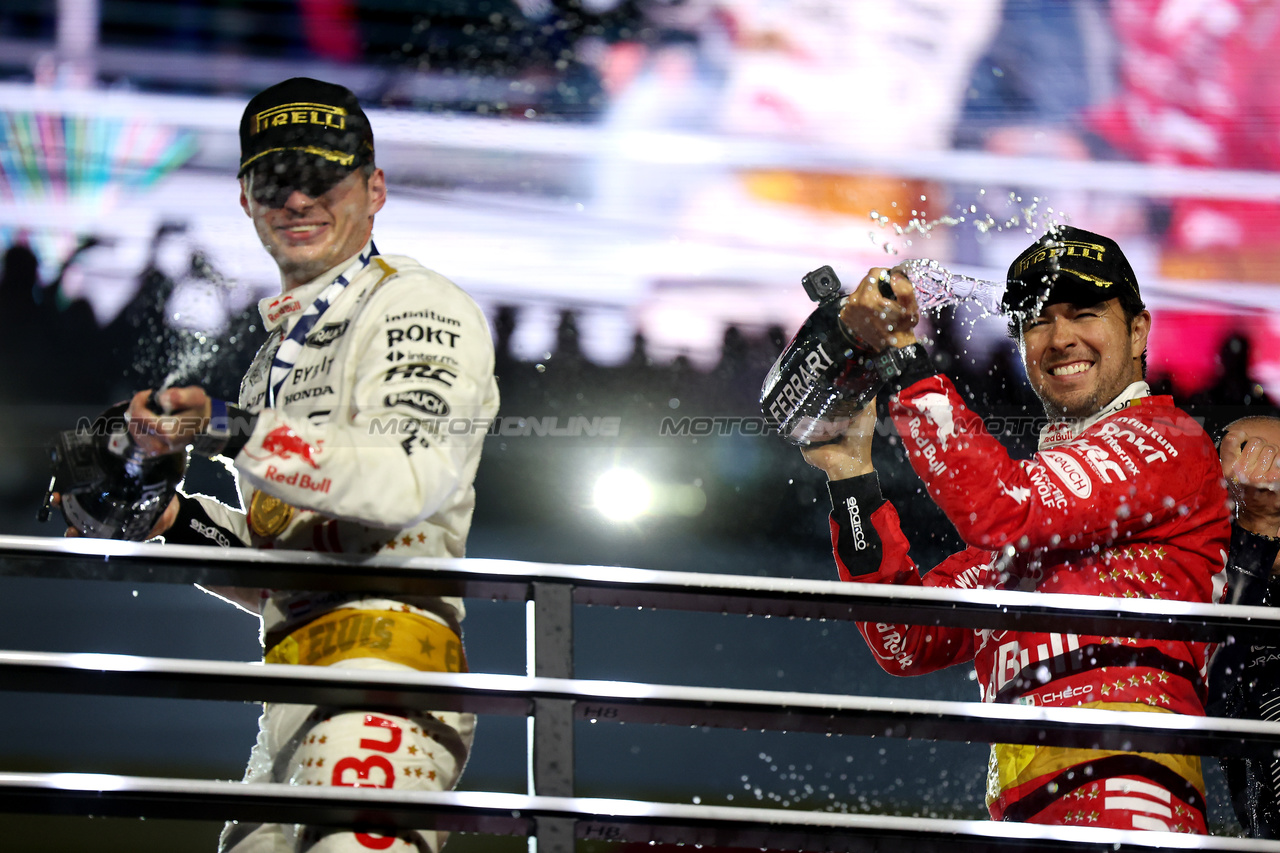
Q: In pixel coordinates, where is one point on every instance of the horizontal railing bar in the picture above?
(618, 701)
(88, 559)
(613, 820)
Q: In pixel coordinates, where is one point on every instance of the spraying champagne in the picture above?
(936, 287)
(825, 375)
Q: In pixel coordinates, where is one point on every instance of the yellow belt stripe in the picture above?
(403, 638)
(1015, 764)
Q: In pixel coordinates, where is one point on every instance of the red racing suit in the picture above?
(1127, 504)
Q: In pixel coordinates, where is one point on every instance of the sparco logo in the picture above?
(423, 401)
(208, 531)
(327, 334)
(855, 524)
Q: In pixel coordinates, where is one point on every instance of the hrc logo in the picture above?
(301, 113)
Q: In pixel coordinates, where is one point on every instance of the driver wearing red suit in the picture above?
(1123, 499)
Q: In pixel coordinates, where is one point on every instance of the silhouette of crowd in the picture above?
(67, 357)
(62, 364)
(569, 382)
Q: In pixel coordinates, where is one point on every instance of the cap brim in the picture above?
(1065, 287)
(304, 156)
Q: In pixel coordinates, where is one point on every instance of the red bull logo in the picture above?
(302, 481)
(285, 443)
(282, 306)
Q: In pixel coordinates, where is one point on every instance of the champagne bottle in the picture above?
(824, 376)
(109, 489)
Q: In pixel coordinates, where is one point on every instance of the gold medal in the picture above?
(268, 515)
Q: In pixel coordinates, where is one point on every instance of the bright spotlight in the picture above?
(621, 495)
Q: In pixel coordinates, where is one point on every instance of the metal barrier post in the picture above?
(552, 746)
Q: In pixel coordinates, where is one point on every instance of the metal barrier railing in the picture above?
(554, 700)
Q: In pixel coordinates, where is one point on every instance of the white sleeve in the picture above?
(417, 414)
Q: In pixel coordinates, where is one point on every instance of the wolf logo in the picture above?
(1020, 494)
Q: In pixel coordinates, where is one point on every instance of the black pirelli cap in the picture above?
(1070, 265)
(302, 120)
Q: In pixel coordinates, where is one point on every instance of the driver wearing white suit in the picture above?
(358, 431)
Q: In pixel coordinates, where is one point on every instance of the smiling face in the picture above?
(1079, 358)
(309, 235)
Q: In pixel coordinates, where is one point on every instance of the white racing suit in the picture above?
(367, 444)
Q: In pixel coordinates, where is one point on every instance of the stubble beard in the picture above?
(1066, 411)
(297, 271)
(1092, 402)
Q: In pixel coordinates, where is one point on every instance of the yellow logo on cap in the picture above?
(1092, 251)
(301, 113)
